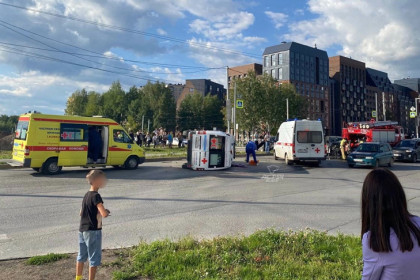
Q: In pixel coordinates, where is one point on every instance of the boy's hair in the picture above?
(93, 175)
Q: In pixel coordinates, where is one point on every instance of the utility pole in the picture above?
(376, 105)
(228, 109)
(234, 112)
(383, 105)
(417, 118)
(142, 124)
(287, 108)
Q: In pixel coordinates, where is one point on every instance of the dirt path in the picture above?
(63, 269)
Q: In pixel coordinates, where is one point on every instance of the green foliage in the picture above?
(200, 112)
(49, 258)
(265, 101)
(265, 254)
(153, 101)
(8, 123)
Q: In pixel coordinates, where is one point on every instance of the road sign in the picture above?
(413, 109)
(239, 104)
(373, 114)
(413, 115)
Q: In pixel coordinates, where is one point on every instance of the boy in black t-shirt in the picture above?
(90, 230)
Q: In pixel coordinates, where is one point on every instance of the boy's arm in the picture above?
(102, 210)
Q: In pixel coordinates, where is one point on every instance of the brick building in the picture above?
(307, 69)
(350, 91)
(202, 86)
(241, 71)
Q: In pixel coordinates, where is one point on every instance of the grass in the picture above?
(265, 254)
(165, 152)
(45, 259)
(5, 154)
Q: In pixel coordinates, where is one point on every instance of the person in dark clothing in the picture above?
(94, 144)
(250, 150)
(131, 134)
(139, 138)
(90, 229)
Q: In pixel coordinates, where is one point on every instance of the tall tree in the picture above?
(94, 104)
(114, 103)
(76, 103)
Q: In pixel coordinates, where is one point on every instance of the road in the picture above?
(39, 214)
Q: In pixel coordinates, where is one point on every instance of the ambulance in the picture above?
(47, 143)
(209, 150)
(300, 140)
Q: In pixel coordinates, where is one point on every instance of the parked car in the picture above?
(175, 142)
(407, 150)
(333, 146)
(373, 154)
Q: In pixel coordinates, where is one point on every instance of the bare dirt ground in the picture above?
(63, 269)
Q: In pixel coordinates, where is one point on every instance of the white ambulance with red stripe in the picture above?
(209, 150)
(47, 143)
(300, 140)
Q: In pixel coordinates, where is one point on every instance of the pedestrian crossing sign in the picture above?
(413, 115)
(373, 114)
(239, 104)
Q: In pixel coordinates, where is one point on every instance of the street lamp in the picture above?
(417, 117)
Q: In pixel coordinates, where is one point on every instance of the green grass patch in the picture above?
(5, 154)
(165, 152)
(265, 254)
(49, 258)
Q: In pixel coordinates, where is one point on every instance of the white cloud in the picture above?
(254, 39)
(299, 12)
(224, 28)
(278, 19)
(160, 31)
(384, 34)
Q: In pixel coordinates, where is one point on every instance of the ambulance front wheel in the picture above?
(50, 167)
(131, 163)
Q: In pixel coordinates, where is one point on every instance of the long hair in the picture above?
(384, 206)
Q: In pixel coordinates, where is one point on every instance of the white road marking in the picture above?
(3, 237)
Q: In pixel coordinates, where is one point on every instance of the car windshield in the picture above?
(406, 144)
(368, 148)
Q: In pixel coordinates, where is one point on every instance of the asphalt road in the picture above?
(40, 214)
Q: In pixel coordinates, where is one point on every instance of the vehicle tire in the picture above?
(50, 167)
(287, 160)
(131, 163)
(351, 165)
(36, 169)
(376, 164)
(391, 162)
(275, 156)
(414, 159)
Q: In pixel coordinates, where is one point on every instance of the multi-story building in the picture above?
(385, 94)
(239, 72)
(307, 69)
(176, 90)
(350, 91)
(202, 86)
(405, 100)
(411, 83)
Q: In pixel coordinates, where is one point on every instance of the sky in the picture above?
(45, 58)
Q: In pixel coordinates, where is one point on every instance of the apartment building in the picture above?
(202, 86)
(307, 68)
(241, 71)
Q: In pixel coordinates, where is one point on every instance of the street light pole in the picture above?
(383, 105)
(234, 111)
(287, 108)
(228, 112)
(376, 105)
(417, 118)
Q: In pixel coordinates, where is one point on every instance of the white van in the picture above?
(300, 140)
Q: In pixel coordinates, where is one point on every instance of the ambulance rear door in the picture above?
(73, 146)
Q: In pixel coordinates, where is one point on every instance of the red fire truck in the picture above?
(373, 131)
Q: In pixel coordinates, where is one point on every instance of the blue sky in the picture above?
(384, 34)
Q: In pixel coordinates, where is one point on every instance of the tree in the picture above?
(76, 103)
(8, 123)
(94, 104)
(212, 115)
(114, 103)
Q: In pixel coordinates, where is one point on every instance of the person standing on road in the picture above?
(90, 230)
(250, 150)
(390, 233)
(343, 145)
(170, 140)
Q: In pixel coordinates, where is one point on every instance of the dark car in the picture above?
(371, 154)
(407, 150)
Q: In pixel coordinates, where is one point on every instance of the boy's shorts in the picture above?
(90, 246)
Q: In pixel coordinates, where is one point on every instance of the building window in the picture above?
(273, 73)
(280, 58)
(266, 62)
(273, 60)
(280, 73)
(191, 90)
